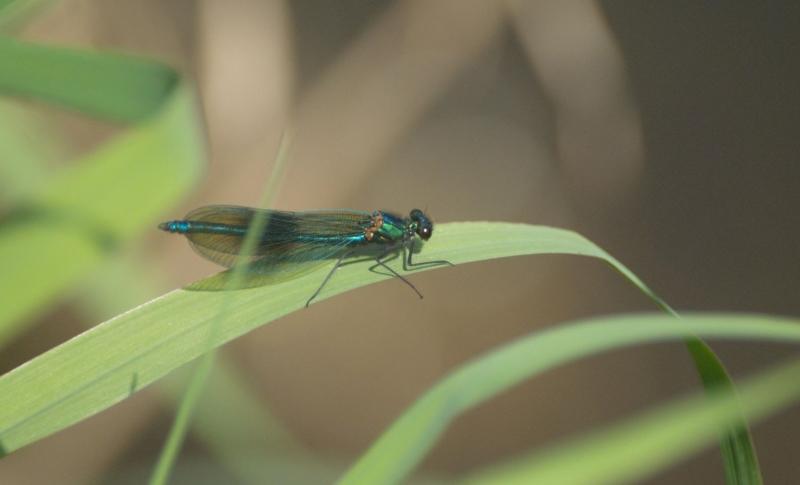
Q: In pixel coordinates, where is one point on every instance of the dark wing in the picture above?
(288, 238)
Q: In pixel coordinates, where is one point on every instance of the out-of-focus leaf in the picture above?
(412, 435)
(108, 197)
(640, 446)
(15, 13)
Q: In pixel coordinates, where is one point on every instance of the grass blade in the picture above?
(109, 362)
(413, 434)
(662, 436)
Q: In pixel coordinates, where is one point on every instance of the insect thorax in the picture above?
(386, 227)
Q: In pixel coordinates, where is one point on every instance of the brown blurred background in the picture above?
(666, 132)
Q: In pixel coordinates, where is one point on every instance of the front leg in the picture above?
(408, 265)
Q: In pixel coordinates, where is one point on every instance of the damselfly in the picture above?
(294, 241)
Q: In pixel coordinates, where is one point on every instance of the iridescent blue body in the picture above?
(291, 240)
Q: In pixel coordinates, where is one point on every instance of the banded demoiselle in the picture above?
(294, 241)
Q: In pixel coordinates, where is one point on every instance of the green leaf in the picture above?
(109, 362)
(15, 13)
(661, 437)
(408, 440)
(78, 217)
(27, 150)
(111, 86)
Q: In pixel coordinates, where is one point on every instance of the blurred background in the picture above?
(665, 132)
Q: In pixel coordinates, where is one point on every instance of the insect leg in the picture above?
(408, 265)
(328, 277)
(379, 261)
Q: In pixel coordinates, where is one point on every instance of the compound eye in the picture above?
(425, 232)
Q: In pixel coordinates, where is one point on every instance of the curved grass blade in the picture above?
(62, 230)
(412, 435)
(741, 464)
(662, 436)
(96, 369)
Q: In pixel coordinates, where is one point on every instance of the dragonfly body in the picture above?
(292, 239)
